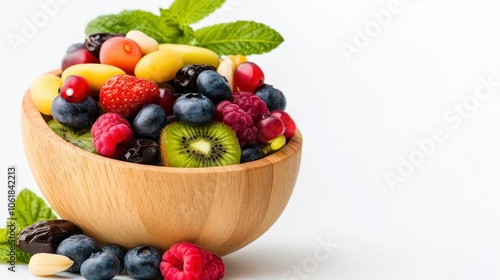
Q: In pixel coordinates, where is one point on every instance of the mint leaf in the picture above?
(4, 252)
(191, 11)
(240, 37)
(22, 256)
(31, 209)
(175, 31)
(3, 236)
(127, 20)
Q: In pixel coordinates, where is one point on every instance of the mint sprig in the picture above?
(192, 11)
(173, 25)
(29, 209)
(124, 21)
(173, 28)
(248, 37)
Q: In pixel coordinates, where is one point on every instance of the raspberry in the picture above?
(240, 121)
(186, 261)
(251, 104)
(111, 135)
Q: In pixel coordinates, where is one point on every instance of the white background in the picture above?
(362, 115)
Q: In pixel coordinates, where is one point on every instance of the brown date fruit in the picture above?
(143, 151)
(45, 236)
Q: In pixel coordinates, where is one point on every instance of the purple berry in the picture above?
(117, 251)
(100, 266)
(75, 115)
(194, 109)
(78, 248)
(142, 262)
(214, 86)
(149, 122)
(251, 153)
(274, 98)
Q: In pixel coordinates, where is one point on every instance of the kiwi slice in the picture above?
(81, 138)
(212, 144)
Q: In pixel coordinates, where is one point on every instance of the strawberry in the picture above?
(125, 94)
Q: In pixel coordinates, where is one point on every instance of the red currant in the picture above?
(78, 56)
(270, 128)
(290, 126)
(248, 76)
(75, 89)
(166, 100)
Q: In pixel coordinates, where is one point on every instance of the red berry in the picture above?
(111, 135)
(239, 121)
(185, 261)
(75, 89)
(78, 56)
(248, 76)
(125, 94)
(290, 126)
(251, 104)
(166, 100)
(270, 128)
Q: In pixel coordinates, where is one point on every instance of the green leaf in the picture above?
(127, 20)
(22, 256)
(191, 11)
(175, 31)
(4, 252)
(240, 37)
(3, 236)
(31, 209)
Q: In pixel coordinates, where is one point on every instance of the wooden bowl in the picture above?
(222, 209)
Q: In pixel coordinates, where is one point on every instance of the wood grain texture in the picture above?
(222, 209)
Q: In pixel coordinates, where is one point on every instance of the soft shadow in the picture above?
(271, 263)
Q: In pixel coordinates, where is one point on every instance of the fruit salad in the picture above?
(130, 98)
(149, 89)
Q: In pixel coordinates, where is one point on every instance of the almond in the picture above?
(147, 44)
(226, 68)
(45, 264)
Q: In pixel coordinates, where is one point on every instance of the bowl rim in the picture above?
(36, 119)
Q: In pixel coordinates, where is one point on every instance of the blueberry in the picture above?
(78, 248)
(185, 78)
(142, 262)
(214, 86)
(194, 108)
(118, 252)
(274, 98)
(100, 266)
(149, 121)
(75, 115)
(251, 153)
